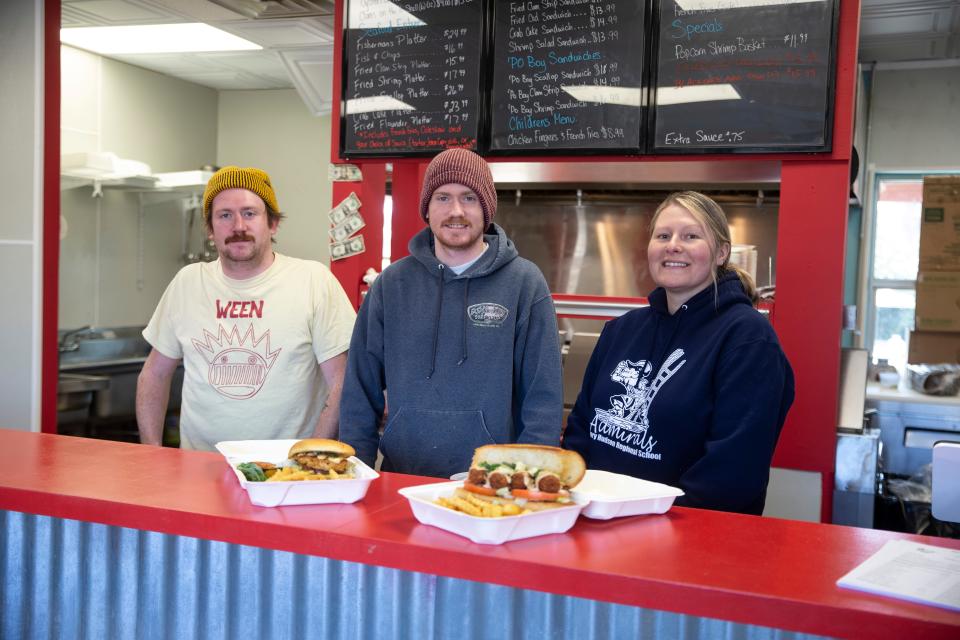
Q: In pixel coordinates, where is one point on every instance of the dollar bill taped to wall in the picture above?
(344, 173)
(350, 204)
(338, 214)
(349, 226)
(346, 248)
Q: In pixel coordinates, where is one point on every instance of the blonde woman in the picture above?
(693, 390)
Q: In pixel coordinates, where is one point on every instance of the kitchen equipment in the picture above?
(75, 395)
(946, 481)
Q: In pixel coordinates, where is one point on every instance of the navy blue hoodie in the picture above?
(465, 360)
(695, 399)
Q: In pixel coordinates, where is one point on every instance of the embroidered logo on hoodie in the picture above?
(625, 425)
(487, 314)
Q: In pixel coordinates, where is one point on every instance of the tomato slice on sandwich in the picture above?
(538, 496)
(483, 491)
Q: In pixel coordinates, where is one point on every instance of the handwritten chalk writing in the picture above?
(719, 136)
(767, 92)
(552, 52)
(685, 53)
(674, 137)
(528, 122)
(681, 30)
(573, 57)
(796, 39)
(417, 73)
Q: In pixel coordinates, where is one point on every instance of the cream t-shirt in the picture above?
(251, 348)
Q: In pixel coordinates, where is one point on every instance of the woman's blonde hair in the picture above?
(714, 221)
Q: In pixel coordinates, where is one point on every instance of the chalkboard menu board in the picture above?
(567, 75)
(744, 75)
(412, 82)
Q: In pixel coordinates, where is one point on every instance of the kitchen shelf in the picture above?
(160, 187)
(73, 180)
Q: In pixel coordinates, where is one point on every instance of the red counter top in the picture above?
(753, 570)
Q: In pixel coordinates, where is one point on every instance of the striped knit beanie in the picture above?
(249, 178)
(460, 166)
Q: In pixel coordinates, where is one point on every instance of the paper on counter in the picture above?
(912, 571)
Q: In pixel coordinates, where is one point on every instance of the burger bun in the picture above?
(322, 445)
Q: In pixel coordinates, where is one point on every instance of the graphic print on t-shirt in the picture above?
(237, 365)
(625, 425)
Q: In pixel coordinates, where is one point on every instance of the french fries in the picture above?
(475, 507)
(286, 474)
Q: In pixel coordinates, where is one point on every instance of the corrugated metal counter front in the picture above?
(108, 539)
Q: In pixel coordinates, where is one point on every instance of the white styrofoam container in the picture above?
(485, 530)
(292, 492)
(613, 495)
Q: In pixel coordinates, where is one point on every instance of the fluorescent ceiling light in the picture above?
(155, 38)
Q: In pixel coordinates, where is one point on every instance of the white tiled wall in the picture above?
(21, 128)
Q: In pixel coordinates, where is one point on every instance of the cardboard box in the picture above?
(938, 301)
(934, 347)
(940, 224)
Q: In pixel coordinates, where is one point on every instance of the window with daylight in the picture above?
(893, 267)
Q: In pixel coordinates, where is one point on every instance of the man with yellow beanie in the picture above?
(262, 336)
(462, 333)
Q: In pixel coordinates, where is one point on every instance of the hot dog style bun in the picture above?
(537, 476)
(567, 465)
(321, 455)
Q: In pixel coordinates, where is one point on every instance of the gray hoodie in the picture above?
(466, 360)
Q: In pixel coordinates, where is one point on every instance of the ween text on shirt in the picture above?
(240, 309)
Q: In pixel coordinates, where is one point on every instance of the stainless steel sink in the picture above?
(115, 354)
(102, 347)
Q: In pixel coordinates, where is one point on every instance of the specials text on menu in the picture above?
(744, 75)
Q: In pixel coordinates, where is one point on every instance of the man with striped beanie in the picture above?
(462, 333)
(262, 336)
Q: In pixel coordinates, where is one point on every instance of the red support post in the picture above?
(407, 180)
(810, 252)
(49, 355)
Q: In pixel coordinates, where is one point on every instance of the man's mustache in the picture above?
(239, 237)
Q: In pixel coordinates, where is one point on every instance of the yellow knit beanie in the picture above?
(249, 178)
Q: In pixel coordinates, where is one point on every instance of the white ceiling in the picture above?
(297, 36)
(910, 30)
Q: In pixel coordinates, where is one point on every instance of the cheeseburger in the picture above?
(533, 476)
(322, 456)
